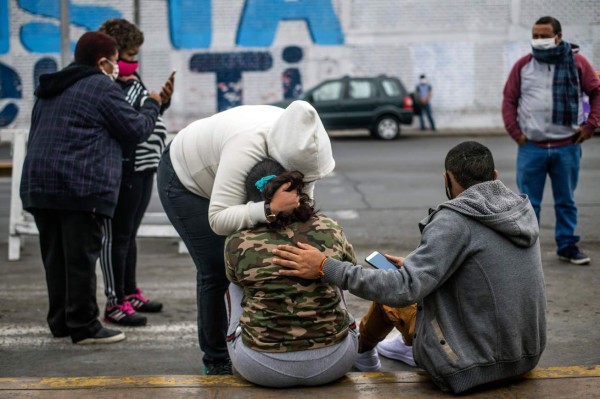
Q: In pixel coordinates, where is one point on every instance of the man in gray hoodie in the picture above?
(476, 278)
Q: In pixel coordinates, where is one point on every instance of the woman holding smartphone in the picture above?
(119, 252)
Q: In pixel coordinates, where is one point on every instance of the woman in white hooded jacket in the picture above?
(201, 180)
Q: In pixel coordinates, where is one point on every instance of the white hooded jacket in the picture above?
(213, 156)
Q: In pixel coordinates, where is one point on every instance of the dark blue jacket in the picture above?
(78, 124)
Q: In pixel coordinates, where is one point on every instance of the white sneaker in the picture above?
(368, 361)
(395, 348)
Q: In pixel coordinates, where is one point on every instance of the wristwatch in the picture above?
(271, 217)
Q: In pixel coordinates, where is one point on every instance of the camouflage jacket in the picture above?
(282, 314)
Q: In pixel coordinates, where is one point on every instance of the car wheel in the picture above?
(386, 128)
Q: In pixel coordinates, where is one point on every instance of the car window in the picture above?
(327, 92)
(360, 89)
(391, 87)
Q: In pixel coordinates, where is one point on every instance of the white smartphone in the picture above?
(378, 261)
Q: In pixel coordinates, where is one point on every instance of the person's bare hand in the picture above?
(167, 90)
(581, 136)
(522, 139)
(156, 97)
(303, 261)
(285, 201)
(397, 260)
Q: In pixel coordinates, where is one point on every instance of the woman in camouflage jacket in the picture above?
(285, 331)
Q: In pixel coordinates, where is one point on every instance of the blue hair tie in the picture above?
(260, 184)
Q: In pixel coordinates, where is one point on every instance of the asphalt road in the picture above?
(379, 192)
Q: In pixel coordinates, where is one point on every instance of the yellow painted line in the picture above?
(564, 372)
(201, 381)
(120, 382)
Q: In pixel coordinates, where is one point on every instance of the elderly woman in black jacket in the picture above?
(71, 178)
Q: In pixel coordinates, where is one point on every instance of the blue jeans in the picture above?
(562, 164)
(426, 109)
(188, 213)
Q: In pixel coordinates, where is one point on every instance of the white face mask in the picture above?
(115, 70)
(543, 44)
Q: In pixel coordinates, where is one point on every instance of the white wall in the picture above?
(465, 47)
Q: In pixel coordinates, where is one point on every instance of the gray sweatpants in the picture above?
(309, 367)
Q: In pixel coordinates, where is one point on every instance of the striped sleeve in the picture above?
(147, 154)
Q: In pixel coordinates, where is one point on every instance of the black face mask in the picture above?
(448, 188)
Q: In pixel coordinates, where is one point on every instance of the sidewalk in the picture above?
(163, 359)
(571, 382)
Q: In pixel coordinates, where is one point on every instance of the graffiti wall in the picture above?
(232, 52)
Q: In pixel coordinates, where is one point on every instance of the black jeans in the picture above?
(70, 242)
(119, 248)
(188, 213)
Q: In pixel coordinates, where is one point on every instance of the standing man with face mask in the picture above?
(423, 95)
(543, 112)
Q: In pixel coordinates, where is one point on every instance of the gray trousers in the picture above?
(308, 368)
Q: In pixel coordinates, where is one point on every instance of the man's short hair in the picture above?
(92, 46)
(552, 21)
(470, 163)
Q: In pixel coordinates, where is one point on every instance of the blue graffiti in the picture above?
(291, 82)
(10, 87)
(190, 23)
(291, 79)
(44, 65)
(228, 68)
(260, 19)
(44, 37)
(4, 28)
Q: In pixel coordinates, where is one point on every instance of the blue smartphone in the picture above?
(378, 261)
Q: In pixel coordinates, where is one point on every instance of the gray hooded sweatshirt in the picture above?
(479, 287)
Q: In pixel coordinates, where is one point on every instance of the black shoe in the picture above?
(124, 315)
(218, 368)
(60, 333)
(103, 336)
(142, 304)
(574, 255)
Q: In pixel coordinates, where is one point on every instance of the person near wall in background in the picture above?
(542, 111)
(285, 331)
(423, 94)
(201, 184)
(71, 177)
(476, 278)
(118, 258)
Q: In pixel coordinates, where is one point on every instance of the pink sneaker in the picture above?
(142, 304)
(123, 314)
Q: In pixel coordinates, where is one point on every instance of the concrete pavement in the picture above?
(379, 192)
